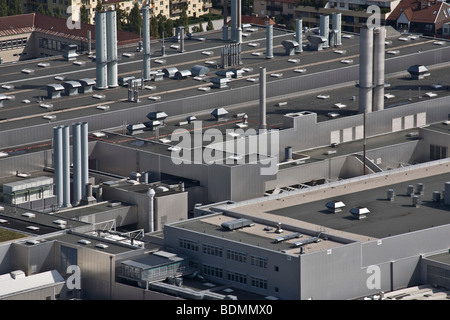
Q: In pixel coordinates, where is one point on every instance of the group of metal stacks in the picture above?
(61, 161)
(106, 49)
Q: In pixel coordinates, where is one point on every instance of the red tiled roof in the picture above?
(418, 10)
(55, 26)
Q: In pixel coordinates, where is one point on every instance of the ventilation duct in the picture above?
(66, 167)
(379, 68)
(269, 40)
(111, 30)
(262, 99)
(58, 164)
(299, 35)
(101, 51)
(76, 138)
(336, 26)
(325, 29)
(366, 70)
(151, 213)
(146, 35)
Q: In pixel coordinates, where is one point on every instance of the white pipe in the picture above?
(269, 40)
(378, 68)
(101, 51)
(84, 158)
(111, 31)
(325, 29)
(336, 25)
(262, 98)
(299, 35)
(57, 164)
(151, 210)
(66, 167)
(146, 42)
(76, 147)
(366, 70)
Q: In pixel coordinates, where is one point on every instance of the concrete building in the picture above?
(172, 170)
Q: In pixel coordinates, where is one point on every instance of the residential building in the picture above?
(421, 16)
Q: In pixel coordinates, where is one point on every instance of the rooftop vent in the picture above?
(335, 206)
(418, 72)
(390, 194)
(288, 237)
(219, 113)
(84, 241)
(307, 241)
(359, 212)
(237, 224)
(101, 245)
(29, 215)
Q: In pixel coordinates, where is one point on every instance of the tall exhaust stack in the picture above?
(111, 31)
(269, 40)
(233, 24)
(262, 99)
(151, 209)
(336, 25)
(58, 164)
(84, 158)
(101, 50)
(299, 35)
(239, 22)
(66, 167)
(146, 41)
(378, 68)
(366, 70)
(76, 147)
(325, 29)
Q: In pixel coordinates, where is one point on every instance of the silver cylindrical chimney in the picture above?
(57, 164)
(269, 40)
(365, 70)
(225, 21)
(288, 153)
(111, 31)
(299, 35)
(181, 32)
(89, 41)
(262, 98)
(84, 158)
(151, 209)
(336, 19)
(76, 147)
(234, 13)
(239, 22)
(325, 29)
(146, 41)
(66, 167)
(378, 68)
(101, 50)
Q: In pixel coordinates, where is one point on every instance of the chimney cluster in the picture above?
(106, 49)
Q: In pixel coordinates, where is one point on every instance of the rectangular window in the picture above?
(258, 262)
(188, 244)
(212, 250)
(69, 256)
(212, 271)
(236, 256)
(237, 277)
(259, 283)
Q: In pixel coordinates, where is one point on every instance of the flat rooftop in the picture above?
(386, 218)
(30, 87)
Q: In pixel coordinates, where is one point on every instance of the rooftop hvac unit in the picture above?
(219, 113)
(288, 237)
(170, 72)
(418, 72)
(237, 224)
(359, 213)
(335, 206)
(307, 241)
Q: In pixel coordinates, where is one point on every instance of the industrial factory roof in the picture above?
(309, 206)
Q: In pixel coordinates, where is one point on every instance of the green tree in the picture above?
(161, 25)
(84, 17)
(154, 27)
(99, 7)
(3, 8)
(135, 19)
(200, 27)
(121, 17)
(168, 28)
(184, 20)
(210, 25)
(58, 13)
(40, 9)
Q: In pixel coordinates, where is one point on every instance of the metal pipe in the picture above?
(239, 22)
(336, 25)
(325, 29)
(101, 51)
(57, 164)
(225, 21)
(378, 68)
(366, 70)
(76, 147)
(151, 209)
(233, 19)
(146, 41)
(66, 167)
(84, 157)
(269, 40)
(299, 35)
(111, 30)
(181, 32)
(89, 41)
(262, 98)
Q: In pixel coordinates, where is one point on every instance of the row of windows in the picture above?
(216, 251)
(235, 277)
(13, 44)
(52, 44)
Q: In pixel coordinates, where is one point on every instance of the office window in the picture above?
(188, 244)
(212, 271)
(69, 256)
(437, 152)
(259, 283)
(236, 256)
(258, 262)
(237, 277)
(212, 250)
